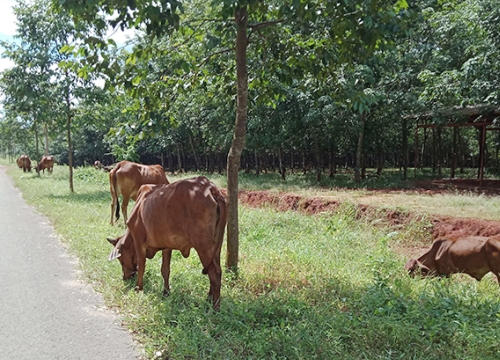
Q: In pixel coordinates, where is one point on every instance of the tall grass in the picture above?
(324, 287)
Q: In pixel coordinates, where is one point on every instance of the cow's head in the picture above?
(414, 266)
(124, 251)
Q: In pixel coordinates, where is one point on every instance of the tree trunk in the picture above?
(454, 152)
(36, 139)
(359, 151)
(257, 164)
(380, 161)
(282, 169)
(439, 151)
(433, 154)
(70, 145)
(179, 160)
(332, 162)
(196, 161)
(233, 158)
(405, 149)
(46, 137)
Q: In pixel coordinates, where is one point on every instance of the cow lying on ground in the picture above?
(126, 179)
(473, 255)
(187, 214)
(24, 163)
(47, 162)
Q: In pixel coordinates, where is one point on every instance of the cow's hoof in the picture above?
(166, 292)
(137, 289)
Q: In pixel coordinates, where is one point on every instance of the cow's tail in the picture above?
(220, 225)
(114, 194)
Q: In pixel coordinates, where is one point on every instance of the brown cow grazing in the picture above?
(126, 178)
(24, 163)
(47, 162)
(473, 255)
(187, 214)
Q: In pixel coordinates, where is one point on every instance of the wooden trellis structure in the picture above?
(482, 117)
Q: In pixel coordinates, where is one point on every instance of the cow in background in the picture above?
(126, 178)
(472, 255)
(187, 214)
(47, 162)
(24, 162)
(97, 165)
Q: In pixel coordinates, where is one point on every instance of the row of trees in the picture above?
(314, 84)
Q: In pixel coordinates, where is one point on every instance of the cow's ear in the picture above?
(115, 254)
(112, 241)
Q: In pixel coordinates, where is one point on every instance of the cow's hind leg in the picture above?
(166, 256)
(214, 273)
(124, 208)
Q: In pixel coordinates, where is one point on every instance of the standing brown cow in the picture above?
(47, 162)
(126, 179)
(24, 163)
(187, 214)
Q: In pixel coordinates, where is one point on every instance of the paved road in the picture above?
(45, 311)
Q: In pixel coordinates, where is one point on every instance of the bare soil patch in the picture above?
(440, 225)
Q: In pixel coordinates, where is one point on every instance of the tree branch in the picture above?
(215, 54)
(264, 24)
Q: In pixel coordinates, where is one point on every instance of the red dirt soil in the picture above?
(440, 225)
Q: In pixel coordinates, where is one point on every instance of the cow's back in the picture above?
(130, 176)
(179, 216)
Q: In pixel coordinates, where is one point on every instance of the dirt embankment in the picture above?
(440, 225)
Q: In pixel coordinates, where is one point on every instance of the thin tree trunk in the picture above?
(70, 145)
(233, 158)
(454, 152)
(359, 151)
(194, 153)
(179, 160)
(35, 125)
(282, 169)
(332, 162)
(439, 151)
(405, 149)
(257, 164)
(46, 137)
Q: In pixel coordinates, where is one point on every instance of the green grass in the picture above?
(309, 287)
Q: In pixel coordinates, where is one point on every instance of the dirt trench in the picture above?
(440, 226)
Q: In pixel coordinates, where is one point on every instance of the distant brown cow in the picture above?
(24, 163)
(473, 255)
(97, 165)
(126, 179)
(47, 162)
(187, 214)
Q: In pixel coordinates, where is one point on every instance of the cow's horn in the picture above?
(115, 254)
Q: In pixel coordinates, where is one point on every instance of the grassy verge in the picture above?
(325, 287)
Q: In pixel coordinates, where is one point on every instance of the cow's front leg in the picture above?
(141, 267)
(166, 256)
